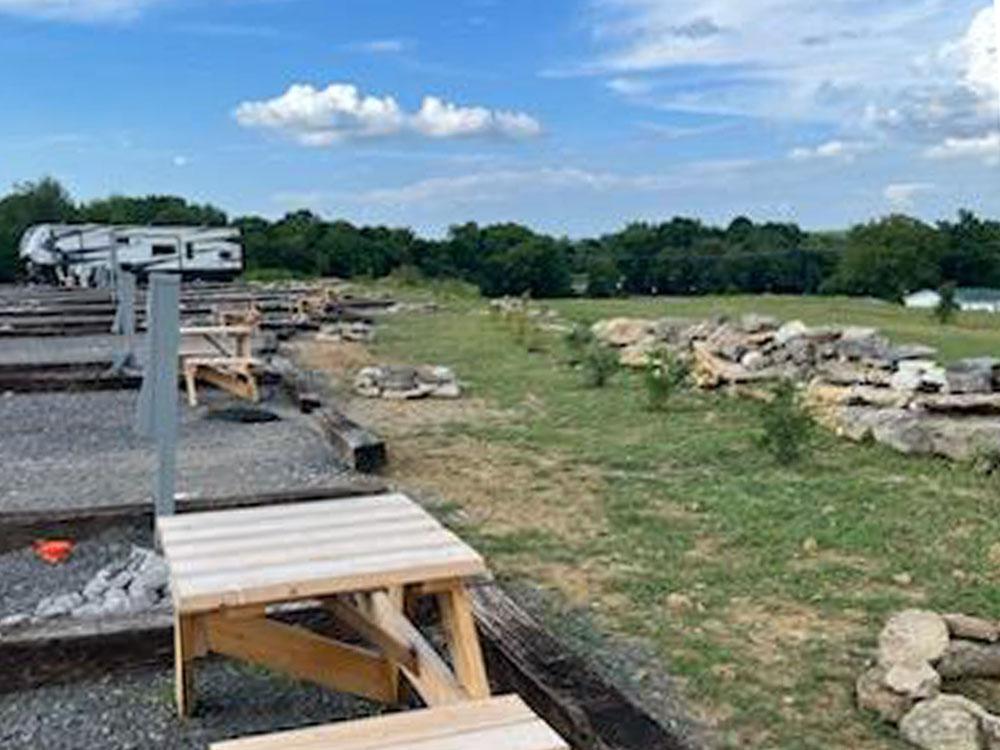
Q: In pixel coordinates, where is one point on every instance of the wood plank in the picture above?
(463, 641)
(289, 527)
(303, 581)
(314, 534)
(247, 562)
(184, 646)
(395, 648)
(498, 724)
(432, 679)
(217, 518)
(302, 654)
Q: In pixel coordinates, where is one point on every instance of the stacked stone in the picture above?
(402, 382)
(917, 651)
(137, 584)
(856, 381)
(357, 331)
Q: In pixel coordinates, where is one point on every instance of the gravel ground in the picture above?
(56, 349)
(79, 449)
(26, 579)
(136, 710)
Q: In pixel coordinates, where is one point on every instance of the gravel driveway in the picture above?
(60, 450)
(134, 711)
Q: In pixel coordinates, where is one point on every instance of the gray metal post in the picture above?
(157, 414)
(125, 321)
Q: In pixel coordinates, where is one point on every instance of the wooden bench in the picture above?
(495, 724)
(220, 355)
(362, 559)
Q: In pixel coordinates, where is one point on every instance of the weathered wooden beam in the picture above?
(559, 685)
(90, 376)
(359, 448)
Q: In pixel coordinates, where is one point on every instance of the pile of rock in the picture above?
(917, 652)
(856, 381)
(136, 584)
(403, 382)
(358, 331)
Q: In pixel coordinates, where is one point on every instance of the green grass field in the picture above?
(781, 576)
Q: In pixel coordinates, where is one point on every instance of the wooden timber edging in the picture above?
(362, 450)
(69, 376)
(590, 712)
(19, 528)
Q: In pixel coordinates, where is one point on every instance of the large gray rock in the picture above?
(916, 680)
(873, 695)
(947, 722)
(913, 351)
(903, 431)
(58, 605)
(912, 636)
(966, 658)
(151, 579)
(918, 375)
(973, 628)
(975, 375)
(754, 323)
(622, 331)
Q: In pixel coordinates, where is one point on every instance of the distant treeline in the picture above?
(885, 258)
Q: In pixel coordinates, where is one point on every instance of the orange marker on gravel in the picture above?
(53, 551)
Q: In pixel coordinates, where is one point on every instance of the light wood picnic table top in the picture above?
(254, 556)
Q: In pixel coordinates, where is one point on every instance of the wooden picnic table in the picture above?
(362, 559)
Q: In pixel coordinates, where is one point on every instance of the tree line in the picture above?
(884, 258)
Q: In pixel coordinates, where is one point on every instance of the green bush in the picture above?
(599, 364)
(947, 305)
(788, 430)
(577, 340)
(665, 374)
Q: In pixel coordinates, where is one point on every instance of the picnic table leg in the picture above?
(463, 641)
(400, 688)
(184, 655)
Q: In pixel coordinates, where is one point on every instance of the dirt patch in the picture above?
(340, 359)
(775, 632)
(502, 489)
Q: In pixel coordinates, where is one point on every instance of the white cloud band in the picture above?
(340, 112)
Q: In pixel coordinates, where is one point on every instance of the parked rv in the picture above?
(85, 254)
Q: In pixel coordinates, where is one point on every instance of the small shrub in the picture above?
(598, 365)
(787, 428)
(947, 304)
(407, 275)
(665, 374)
(577, 340)
(986, 459)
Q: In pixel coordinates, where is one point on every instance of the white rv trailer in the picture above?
(83, 254)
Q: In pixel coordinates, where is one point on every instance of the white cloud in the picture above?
(322, 117)
(846, 151)
(629, 86)
(985, 147)
(380, 46)
(75, 10)
(441, 119)
(180, 161)
(977, 56)
(503, 184)
(798, 58)
(902, 195)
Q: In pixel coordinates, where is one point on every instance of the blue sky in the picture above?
(574, 116)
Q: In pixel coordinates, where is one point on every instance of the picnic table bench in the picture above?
(363, 559)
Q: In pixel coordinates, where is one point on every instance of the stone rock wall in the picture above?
(855, 381)
(918, 651)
